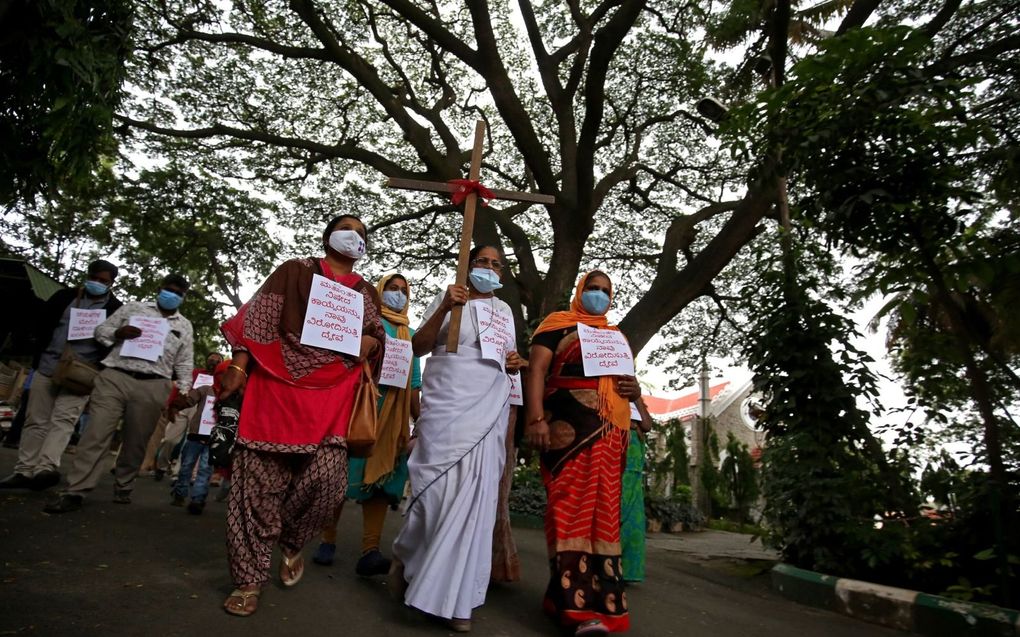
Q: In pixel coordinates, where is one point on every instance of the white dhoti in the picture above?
(446, 541)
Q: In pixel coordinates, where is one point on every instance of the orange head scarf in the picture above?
(613, 408)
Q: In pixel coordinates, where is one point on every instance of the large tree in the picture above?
(592, 103)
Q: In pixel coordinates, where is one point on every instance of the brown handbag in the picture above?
(362, 431)
(74, 374)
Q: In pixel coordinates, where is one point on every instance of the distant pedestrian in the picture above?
(53, 409)
(132, 388)
(175, 428)
(632, 505)
(195, 448)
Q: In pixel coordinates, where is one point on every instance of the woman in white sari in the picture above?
(443, 554)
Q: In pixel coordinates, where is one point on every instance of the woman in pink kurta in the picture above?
(290, 459)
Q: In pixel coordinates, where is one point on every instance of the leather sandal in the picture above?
(291, 569)
(238, 602)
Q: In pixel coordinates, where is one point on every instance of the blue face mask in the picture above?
(484, 280)
(95, 288)
(595, 301)
(394, 299)
(168, 300)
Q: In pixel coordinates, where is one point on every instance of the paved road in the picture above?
(151, 569)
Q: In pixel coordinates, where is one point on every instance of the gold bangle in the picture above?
(238, 368)
(537, 420)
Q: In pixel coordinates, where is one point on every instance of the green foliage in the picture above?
(668, 460)
(62, 63)
(739, 477)
(670, 511)
(711, 478)
(891, 147)
(527, 492)
(955, 544)
(826, 481)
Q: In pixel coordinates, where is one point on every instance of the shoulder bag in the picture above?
(362, 431)
(74, 374)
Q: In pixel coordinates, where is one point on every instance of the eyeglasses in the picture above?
(495, 264)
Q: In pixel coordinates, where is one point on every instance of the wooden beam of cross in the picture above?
(469, 216)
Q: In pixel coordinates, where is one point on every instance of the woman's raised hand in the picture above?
(455, 295)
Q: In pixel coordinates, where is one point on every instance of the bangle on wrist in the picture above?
(238, 368)
(536, 421)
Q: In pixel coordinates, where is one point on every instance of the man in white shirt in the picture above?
(133, 388)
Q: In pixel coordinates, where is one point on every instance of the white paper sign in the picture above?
(495, 331)
(334, 317)
(83, 323)
(634, 413)
(202, 380)
(605, 352)
(148, 346)
(396, 365)
(516, 395)
(208, 420)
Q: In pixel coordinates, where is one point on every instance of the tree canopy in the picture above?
(62, 67)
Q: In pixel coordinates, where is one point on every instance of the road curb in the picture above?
(895, 607)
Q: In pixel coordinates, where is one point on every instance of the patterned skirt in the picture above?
(582, 527)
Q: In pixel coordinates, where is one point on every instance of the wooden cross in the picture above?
(469, 217)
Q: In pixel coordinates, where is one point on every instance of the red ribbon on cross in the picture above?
(468, 186)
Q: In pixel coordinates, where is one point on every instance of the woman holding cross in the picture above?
(443, 555)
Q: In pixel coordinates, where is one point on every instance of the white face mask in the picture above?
(348, 243)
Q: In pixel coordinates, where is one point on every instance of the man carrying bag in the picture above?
(67, 357)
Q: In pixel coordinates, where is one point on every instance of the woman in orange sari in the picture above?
(581, 427)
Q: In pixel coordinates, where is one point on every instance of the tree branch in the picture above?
(292, 52)
(435, 30)
(942, 18)
(348, 150)
(607, 41)
(858, 14)
(367, 76)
